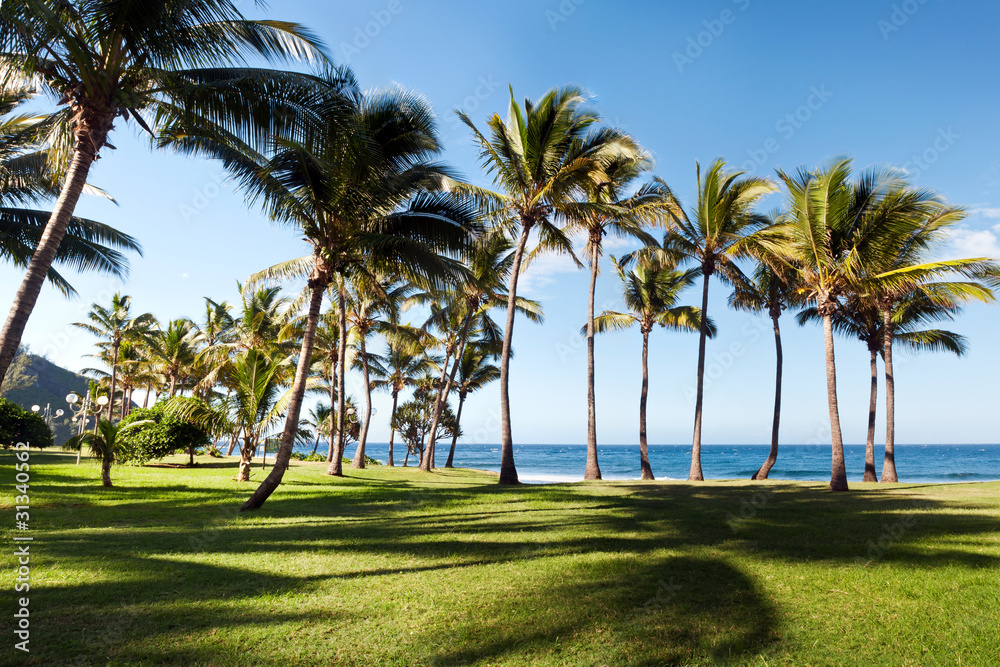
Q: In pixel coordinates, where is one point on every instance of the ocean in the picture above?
(565, 463)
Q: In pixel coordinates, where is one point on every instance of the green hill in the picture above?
(51, 386)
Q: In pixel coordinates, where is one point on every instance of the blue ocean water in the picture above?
(565, 463)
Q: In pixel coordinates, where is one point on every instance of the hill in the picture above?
(50, 387)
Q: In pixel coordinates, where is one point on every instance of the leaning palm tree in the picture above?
(713, 235)
(26, 179)
(116, 324)
(475, 371)
(771, 292)
(360, 189)
(543, 158)
(161, 58)
(612, 207)
(651, 292)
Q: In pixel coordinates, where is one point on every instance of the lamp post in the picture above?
(79, 415)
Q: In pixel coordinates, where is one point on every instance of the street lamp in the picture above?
(79, 415)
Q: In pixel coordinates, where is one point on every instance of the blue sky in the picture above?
(763, 85)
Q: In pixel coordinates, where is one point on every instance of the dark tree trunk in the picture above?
(334, 415)
(446, 390)
(508, 472)
(646, 469)
(695, 475)
(838, 476)
(427, 456)
(772, 456)
(246, 458)
(359, 455)
(106, 469)
(889, 465)
(145, 400)
(870, 475)
(114, 379)
(318, 285)
(318, 436)
(593, 470)
(392, 431)
(45, 253)
(454, 437)
(336, 467)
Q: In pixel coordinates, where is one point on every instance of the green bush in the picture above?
(154, 441)
(20, 425)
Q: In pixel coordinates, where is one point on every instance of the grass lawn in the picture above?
(391, 566)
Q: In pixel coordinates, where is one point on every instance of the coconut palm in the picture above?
(615, 209)
(713, 235)
(474, 372)
(114, 325)
(104, 443)
(404, 363)
(162, 58)
(25, 179)
(542, 157)
(320, 419)
(326, 355)
(457, 309)
(861, 320)
(175, 350)
(766, 291)
(651, 291)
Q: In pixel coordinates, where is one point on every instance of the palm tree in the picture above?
(104, 443)
(822, 239)
(116, 324)
(713, 235)
(860, 319)
(161, 58)
(326, 352)
(474, 372)
(403, 365)
(770, 292)
(651, 292)
(176, 350)
(359, 192)
(251, 410)
(26, 178)
(543, 158)
(320, 419)
(614, 209)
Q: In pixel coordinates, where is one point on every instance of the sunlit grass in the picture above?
(394, 566)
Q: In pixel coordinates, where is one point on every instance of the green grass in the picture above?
(396, 567)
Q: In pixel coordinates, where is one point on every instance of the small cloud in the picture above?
(974, 243)
(185, 276)
(986, 212)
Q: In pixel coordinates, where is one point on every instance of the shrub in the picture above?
(166, 435)
(20, 425)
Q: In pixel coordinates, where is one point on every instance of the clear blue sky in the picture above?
(761, 84)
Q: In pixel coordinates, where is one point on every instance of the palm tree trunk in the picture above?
(593, 470)
(647, 470)
(392, 431)
(334, 415)
(889, 465)
(359, 455)
(870, 475)
(145, 399)
(508, 472)
(772, 456)
(106, 469)
(454, 437)
(246, 457)
(319, 435)
(427, 460)
(284, 455)
(114, 379)
(695, 475)
(838, 476)
(336, 467)
(45, 253)
(446, 390)
(233, 439)
(173, 385)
